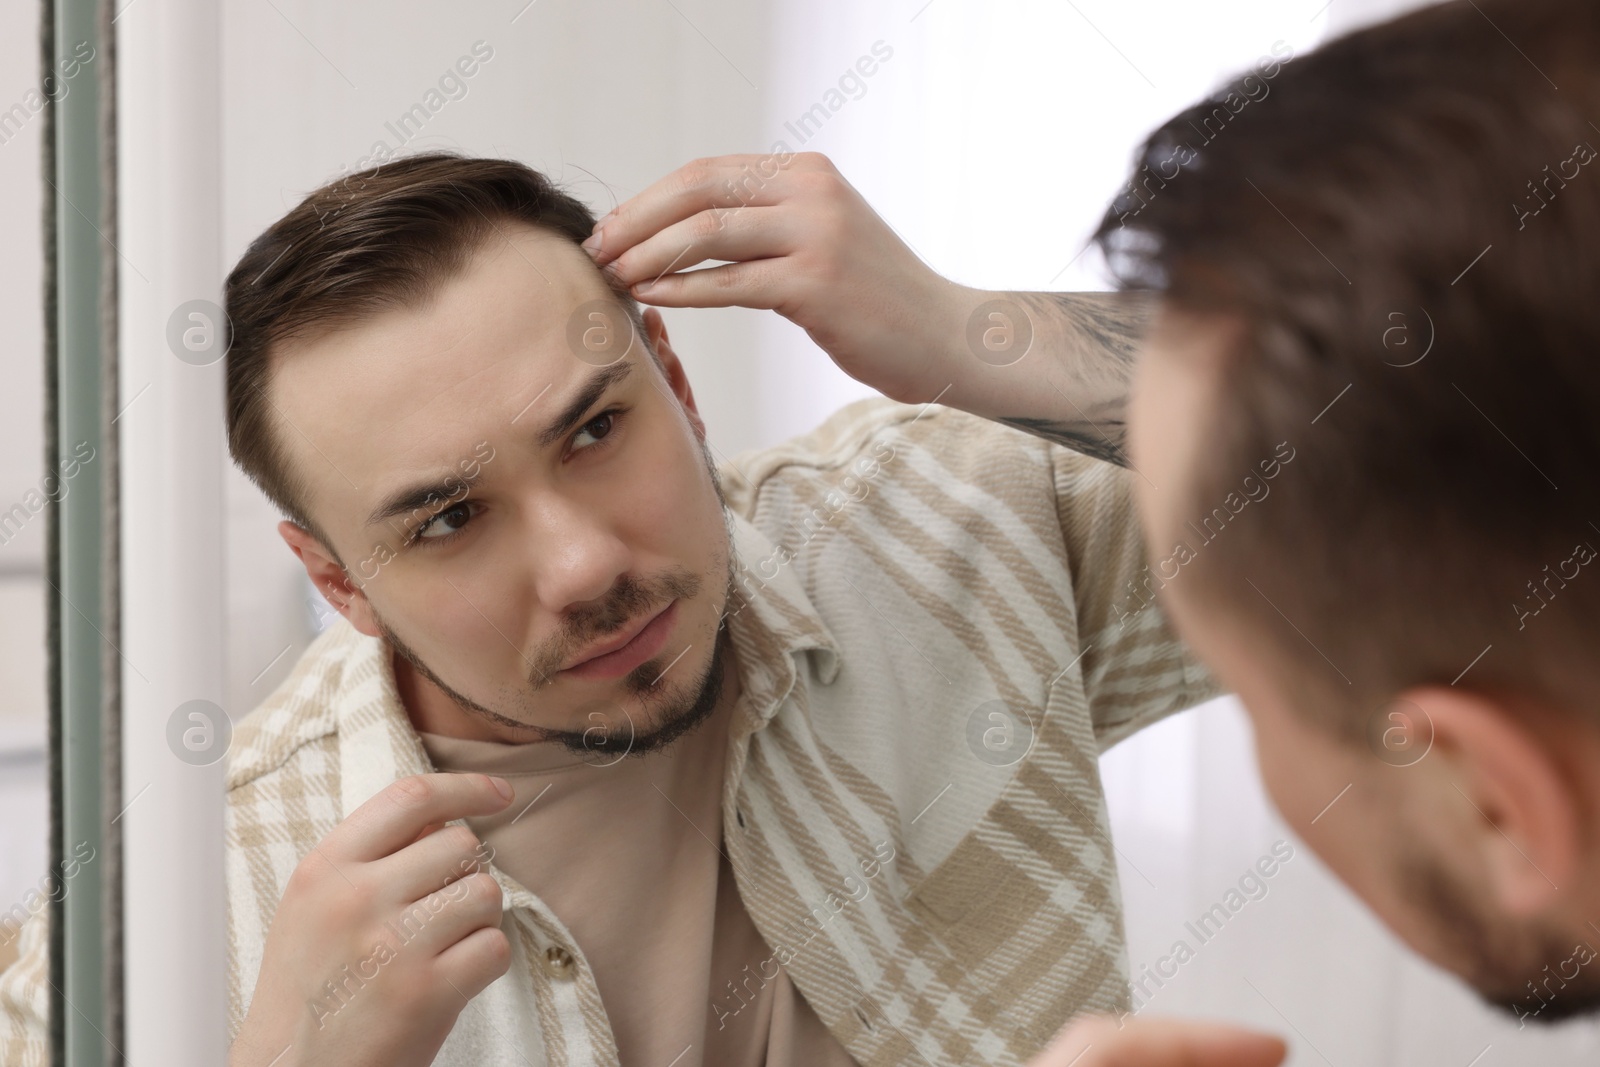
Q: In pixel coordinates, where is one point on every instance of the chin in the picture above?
(664, 712)
(1533, 972)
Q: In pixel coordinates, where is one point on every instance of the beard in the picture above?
(1538, 974)
(677, 710)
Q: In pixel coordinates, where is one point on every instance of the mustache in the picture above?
(628, 599)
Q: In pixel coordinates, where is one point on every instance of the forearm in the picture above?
(817, 253)
(1069, 385)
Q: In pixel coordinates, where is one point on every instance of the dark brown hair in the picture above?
(1407, 225)
(380, 238)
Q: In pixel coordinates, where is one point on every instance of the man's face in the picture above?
(1399, 834)
(509, 513)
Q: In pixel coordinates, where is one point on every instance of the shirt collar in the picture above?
(772, 622)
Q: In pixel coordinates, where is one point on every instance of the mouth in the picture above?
(623, 653)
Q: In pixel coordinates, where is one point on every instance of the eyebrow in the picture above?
(418, 497)
(573, 413)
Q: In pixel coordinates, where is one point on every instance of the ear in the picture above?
(330, 578)
(1497, 761)
(655, 328)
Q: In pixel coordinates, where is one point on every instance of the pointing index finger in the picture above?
(393, 819)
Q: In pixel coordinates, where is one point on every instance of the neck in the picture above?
(433, 711)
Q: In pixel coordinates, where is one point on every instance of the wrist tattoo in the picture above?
(1102, 440)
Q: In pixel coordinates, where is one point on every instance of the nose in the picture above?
(576, 553)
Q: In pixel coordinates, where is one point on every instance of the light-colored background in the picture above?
(990, 140)
(24, 802)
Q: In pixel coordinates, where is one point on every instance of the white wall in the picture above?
(23, 799)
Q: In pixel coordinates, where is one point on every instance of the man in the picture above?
(498, 475)
(790, 760)
(1377, 306)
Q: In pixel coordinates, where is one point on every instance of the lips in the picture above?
(623, 653)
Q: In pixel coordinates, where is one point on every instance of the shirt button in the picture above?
(558, 962)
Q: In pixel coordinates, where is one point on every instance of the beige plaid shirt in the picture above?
(937, 640)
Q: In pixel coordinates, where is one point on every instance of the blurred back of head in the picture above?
(1408, 221)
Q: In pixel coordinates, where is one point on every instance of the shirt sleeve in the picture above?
(25, 996)
(1135, 670)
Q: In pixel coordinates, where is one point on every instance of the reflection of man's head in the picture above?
(1366, 425)
(486, 454)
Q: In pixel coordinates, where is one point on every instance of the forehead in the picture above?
(1175, 442)
(1171, 415)
(412, 391)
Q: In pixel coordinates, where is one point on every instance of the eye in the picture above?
(596, 428)
(445, 524)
